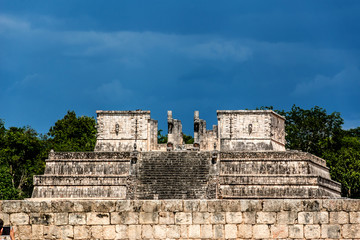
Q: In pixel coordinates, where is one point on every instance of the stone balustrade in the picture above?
(183, 219)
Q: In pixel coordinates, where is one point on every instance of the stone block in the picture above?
(82, 232)
(43, 206)
(172, 206)
(11, 206)
(296, 231)
(339, 217)
(233, 217)
(250, 205)
(266, 217)
(217, 218)
(279, 231)
(62, 206)
(306, 217)
(77, 218)
(147, 232)
(206, 231)
(183, 218)
(214, 206)
(134, 231)
(286, 217)
(5, 217)
(351, 231)
(293, 205)
(312, 205)
(191, 205)
(245, 231)
(160, 231)
(19, 219)
(173, 231)
(166, 218)
(124, 218)
(82, 206)
(201, 217)
(231, 206)
(109, 232)
(321, 217)
(249, 217)
(332, 205)
(351, 205)
(149, 218)
(61, 218)
(218, 231)
(97, 232)
(151, 206)
(273, 205)
(42, 218)
(354, 217)
(23, 232)
(37, 231)
(51, 232)
(312, 231)
(103, 206)
(330, 231)
(194, 231)
(66, 232)
(261, 231)
(203, 206)
(94, 218)
(230, 231)
(121, 231)
(123, 206)
(184, 231)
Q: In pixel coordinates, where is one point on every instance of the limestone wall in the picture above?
(183, 219)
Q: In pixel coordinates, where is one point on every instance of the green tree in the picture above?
(188, 139)
(21, 157)
(73, 133)
(162, 138)
(344, 166)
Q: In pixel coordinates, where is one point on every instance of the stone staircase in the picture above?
(83, 175)
(172, 175)
(286, 174)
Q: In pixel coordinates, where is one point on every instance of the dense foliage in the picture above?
(23, 151)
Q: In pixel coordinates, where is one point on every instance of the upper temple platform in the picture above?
(237, 130)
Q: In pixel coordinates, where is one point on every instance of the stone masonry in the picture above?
(183, 219)
(243, 157)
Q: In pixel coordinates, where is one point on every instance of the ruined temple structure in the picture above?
(242, 157)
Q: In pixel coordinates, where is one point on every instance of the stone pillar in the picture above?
(175, 135)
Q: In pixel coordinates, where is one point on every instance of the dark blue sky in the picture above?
(176, 55)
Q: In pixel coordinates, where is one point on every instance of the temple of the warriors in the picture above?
(242, 157)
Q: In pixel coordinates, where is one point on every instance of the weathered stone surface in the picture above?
(160, 231)
(312, 231)
(261, 231)
(173, 231)
(166, 218)
(245, 231)
(77, 218)
(206, 231)
(279, 231)
(330, 231)
(230, 231)
(19, 219)
(109, 232)
(351, 230)
(61, 218)
(306, 217)
(201, 218)
(149, 218)
(354, 217)
(234, 217)
(94, 218)
(266, 217)
(339, 217)
(287, 217)
(183, 218)
(82, 232)
(134, 232)
(296, 231)
(147, 232)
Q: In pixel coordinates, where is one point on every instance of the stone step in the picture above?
(304, 167)
(79, 192)
(280, 191)
(76, 180)
(279, 180)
